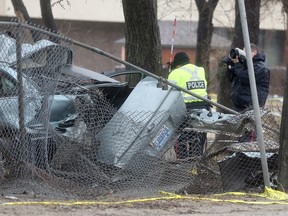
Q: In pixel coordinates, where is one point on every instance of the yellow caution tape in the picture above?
(268, 193)
(274, 194)
(278, 196)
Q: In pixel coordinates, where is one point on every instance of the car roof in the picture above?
(8, 54)
(84, 73)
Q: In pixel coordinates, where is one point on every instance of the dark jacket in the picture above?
(238, 74)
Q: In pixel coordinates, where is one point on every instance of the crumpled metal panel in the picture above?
(142, 127)
(8, 54)
(217, 122)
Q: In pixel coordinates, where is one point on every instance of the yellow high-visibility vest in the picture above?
(192, 78)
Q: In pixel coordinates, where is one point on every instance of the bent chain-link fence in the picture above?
(83, 137)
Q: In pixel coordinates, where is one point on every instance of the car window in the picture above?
(9, 88)
(7, 85)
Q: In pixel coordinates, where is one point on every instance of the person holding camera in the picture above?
(190, 77)
(237, 74)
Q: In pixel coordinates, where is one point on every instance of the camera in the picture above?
(226, 60)
(232, 55)
(238, 52)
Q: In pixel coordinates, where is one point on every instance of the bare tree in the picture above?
(46, 11)
(20, 10)
(23, 15)
(47, 15)
(283, 150)
(48, 18)
(204, 32)
(142, 36)
(253, 17)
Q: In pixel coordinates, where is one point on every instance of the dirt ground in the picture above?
(156, 208)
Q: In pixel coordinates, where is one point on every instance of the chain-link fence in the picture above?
(67, 132)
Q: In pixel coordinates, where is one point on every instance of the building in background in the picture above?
(100, 23)
(112, 11)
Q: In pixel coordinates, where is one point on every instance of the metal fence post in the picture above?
(246, 38)
(21, 106)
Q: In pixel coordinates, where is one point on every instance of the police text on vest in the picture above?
(195, 85)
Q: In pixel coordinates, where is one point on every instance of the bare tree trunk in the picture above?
(23, 16)
(204, 33)
(253, 20)
(283, 150)
(47, 15)
(20, 10)
(48, 18)
(253, 17)
(142, 36)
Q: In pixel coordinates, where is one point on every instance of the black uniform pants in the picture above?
(191, 143)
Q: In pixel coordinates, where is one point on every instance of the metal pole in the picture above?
(21, 108)
(172, 44)
(254, 92)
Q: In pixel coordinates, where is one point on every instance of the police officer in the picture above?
(192, 78)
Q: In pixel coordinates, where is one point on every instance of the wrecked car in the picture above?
(56, 88)
(51, 85)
